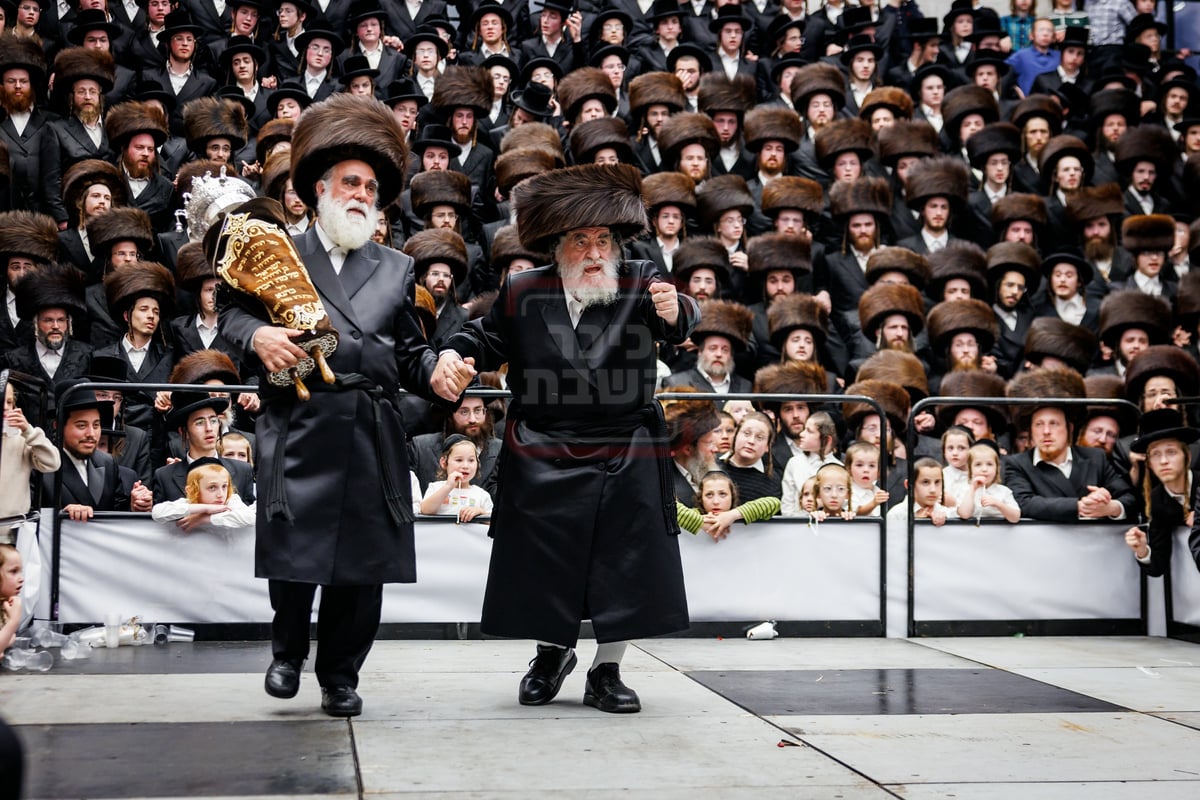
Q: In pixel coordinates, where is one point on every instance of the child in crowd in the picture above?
(808, 496)
(737, 409)
(986, 496)
(749, 462)
(817, 443)
(11, 581)
(235, 446)
(725, 433)
(210, 498)
(832, 489)
(926, 492)
(717, 507)
(454, 495)
(956, 441)
(25, 448)
(866, 497)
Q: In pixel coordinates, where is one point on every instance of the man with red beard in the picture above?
(1096, 213)
(22, 71)
(135, 130)
(580, 337)
(470, 419)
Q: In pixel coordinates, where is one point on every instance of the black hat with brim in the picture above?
(1162, 423)
(185, 403)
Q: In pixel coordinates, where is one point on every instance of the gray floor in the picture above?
(822, 718)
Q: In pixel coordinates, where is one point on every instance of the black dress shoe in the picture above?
(283, 678)
(341, 701)
(606, 692)
(547, 671)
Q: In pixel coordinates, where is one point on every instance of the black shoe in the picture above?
(341, 701)
(547, 671)
(283, 678)
(606, 692)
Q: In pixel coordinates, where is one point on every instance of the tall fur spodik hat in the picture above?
(863, 196)
(1187, 300)
(121, 225)
(83, 63)
(533, 134)
(669, 189)
(1019, 257)
(793, 192)
(771, 251)
(506, 246)
(1050, 384)
(724, 318)
(852, 135)
(25, 53)
(270, 134)
(1091, 202)
(128, 282)
(580, 85)
(590, 137)
(1148, 232)
(698, 252)
(818, 78)
(1037, 105)
(1110, 387)
(84, 174)
(891, 97)
(723, 193)
(765, 124)
(952, 317)
(345, 127)
(907, 138)
(794, 377)
(192, 267)
(943, 176)
(958, 259)
(202, 366)
(1151, 143)
(654, 89)
(892, 397)
(794, 311)
(440, 188)
(53, 285)
(687, 420)
(130, 118)
(718, 93)
(998, 137)
(973, 383)
(1132, 308)
(588, 196)
(885, 299)
(912, 265)
(463, 87)
(438, 246)
(1016, 207)
(208, 118)
(1058, 148)
(902, 369)
(28, 234)
(1051, 336)
(1162, 359)
(962, 101)
(686, 128)
(516, 165)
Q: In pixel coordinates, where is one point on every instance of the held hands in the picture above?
(666, 301)
(717, 525)
(452, 375)
(249, 401)
(1096, 504)
(140, 498)
(1135, 537)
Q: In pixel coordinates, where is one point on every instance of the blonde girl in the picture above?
(11, 580)
(986, 496)
(956, 441)
(817, 442)
(454, 495)
(210, 499)
(833, 493)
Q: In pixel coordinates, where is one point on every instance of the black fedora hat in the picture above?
(82, 400)
(861, 43)
(108, 369)
(783, 62)
(689, 49)
(1076, 36)
(555, 68)
(179, 21)
(664, 9)
(981, 58)
(403, 89)
(436, 136)
(534, 99)
(185, 402)
(238, 45)
(357, 66)
(320, 29)
(149, 89)
(288, 90)
(490, 7)
(366, 9)
(610, 15)
(501, 60)
(728, 14)
(1162, 423)
(238, 95)
(426, 33)
(610, 50)
(92, 19)
(1082, 267)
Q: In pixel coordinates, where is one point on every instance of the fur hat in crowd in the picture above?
(701, 252)
(718, 93)
(724, 318)
(506, 246)
(913, 266)
(1110, 387)
(1187, 301)
(205, 365)
(27, 54)
(686, 128)
(792, 192)
(893, 397)
(668, 189)
(687, 420)
(28, 234)
(192, 267)
(1058, 148)
(952, 317)
(270, 134)
(590, 137)
(1037, 105)
(121, 225)
(128, 282)
(208, 118)
(765, 124)
(907, 138)
(885, 299)
(588, 196)
(463, 87)
(958, 259)
(84, 174)
(426, 310)
(440, 188)
(891, 97)
(794, 377)
(779, 251)
(998, 137)
(533, 134)
(1051, 383)
(797, 311)
(1019, 207)
(1091, 202)
(962, 101)
(894, 366)
(1151, 143)
(1155, 232)
(852, 135)
(516, 165)
(83, 63)
(655, 89)
(1050, 336)
(130, 118)
(818, 78)
(863, 196)
(1131, 308)
(344, 127)
(942, 176)
(53, 285)
(1014, 257)
(277, 169)
(1162, 359)
(973, 383)
(723, 193)
(583, 84)
(438, 246)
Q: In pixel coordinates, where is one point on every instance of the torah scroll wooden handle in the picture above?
(301, 390)
(318, 356)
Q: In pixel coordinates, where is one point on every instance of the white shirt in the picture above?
(933, 117)
(81, 467)
(19, 120)
(574, 308)
(137, 355)
(1064, 467)
(1144, 200)
(861, 258)
(729, 156)
(668, 254)
(373, 56)
(207, 333)
(219, 5)
(1009, 318)
(719, 388)
(426, 86)
(94, 132)
(178, 81)
(50, 358)
(414, 7)
(87, 245)
(1148, 285)
(994, 196)
(136, 185)
(1062, 73)
(1072, 310)
(935, 243)
(11, 302)
(337, 254)
(729, 64)
(312, 82)
(466, 152)
(131, 8)
(654, 150)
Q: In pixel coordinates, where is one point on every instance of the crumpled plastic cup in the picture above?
(32, 660)
(765, 630)
(46, 636)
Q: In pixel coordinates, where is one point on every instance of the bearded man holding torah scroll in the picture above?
(334, 508)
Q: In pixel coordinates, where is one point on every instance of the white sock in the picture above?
(552, 644)
(610, 653)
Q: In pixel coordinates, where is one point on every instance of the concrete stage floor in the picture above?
(791, 718)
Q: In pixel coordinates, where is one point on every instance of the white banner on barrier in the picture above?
(1185, 581)
(1027, 571)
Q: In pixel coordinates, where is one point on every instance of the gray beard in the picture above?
(590, 291)
(344, 230)
(52, 345)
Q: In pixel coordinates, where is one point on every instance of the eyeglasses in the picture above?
(320, 49)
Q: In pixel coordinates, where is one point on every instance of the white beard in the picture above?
(600, 290)
(344, 229)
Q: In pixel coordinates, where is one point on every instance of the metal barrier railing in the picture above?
(961, 626)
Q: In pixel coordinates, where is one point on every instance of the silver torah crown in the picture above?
(210, 196)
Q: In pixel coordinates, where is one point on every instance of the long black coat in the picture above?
(610, 553)
(1044, 493)
(342, 533)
